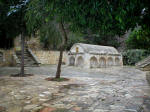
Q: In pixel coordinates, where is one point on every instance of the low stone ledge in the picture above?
(34, 57)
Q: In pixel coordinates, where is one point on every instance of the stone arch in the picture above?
(93, 62)
(110, 61)
(117, 61)
(102, 62)
(71, 61)
(80, 61)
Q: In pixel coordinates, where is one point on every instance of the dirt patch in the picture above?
(69, 86)
(57, 79)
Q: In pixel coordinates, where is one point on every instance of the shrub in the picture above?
(139, 39)
(130, 57)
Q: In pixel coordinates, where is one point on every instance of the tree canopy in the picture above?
(10, 21)
(139, 39)
(105, 17)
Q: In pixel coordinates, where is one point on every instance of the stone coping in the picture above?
(34, 57)
(95, 54)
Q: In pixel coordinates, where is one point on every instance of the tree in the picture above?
(139, 39)
(48, 25)
(20, 10)
(12, 23)
(105, 17)
(8, 24)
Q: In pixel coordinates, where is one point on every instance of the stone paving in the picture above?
(117, 89)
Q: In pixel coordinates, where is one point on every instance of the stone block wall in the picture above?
(6, 57)
(45, 57)
(146, 68)
(49, 57)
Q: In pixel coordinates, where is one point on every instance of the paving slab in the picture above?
(117, 89)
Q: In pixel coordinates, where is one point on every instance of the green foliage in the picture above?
(79, 38)
(139, 39)
(106, 40)
(103, 17)
(10, 21)
(130, 57)
(44, 22)
(50, 36)
(75, 38)
(7, 25)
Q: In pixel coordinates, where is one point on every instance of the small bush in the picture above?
(139, 39)
(130, 57)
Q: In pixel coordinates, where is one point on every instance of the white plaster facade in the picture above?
(93, 56)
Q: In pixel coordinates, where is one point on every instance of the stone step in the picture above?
(143, 63)
(28, 59)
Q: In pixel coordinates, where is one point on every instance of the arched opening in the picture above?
(110, 61)
(93, 62)
(117, 61)
(71, 61)
(102, 62)
(80, 61)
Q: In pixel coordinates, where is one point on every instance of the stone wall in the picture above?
(146, 68)
(94, 60)
(49, 57)
(6, 57)
(45, 57)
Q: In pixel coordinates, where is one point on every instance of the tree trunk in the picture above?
(65, 39)
(59, 63)
(22, 55)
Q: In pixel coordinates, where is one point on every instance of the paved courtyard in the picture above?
(118, 89)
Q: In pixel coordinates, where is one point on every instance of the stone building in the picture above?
(93, 56)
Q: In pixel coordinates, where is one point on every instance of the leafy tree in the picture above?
(131, 57)
(52, 43)
(106, 40)
(12, 23)
(8, 24)
(49, 35)
(49, 24)
(75, 38)
(105, 17)
(139, 39)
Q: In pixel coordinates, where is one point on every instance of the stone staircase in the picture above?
(29, 58)
(144, 64)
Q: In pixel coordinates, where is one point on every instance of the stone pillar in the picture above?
(87, 60)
